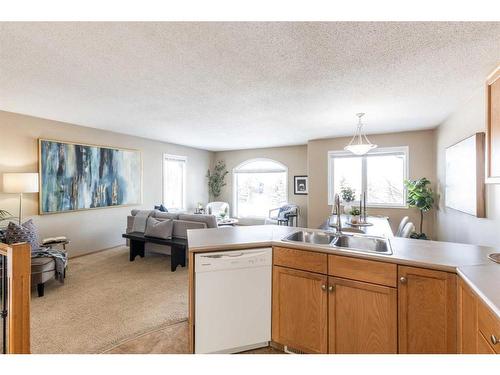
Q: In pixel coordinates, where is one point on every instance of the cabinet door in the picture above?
(362, 317)
(427, 310)
(300, 310)
(467, 320)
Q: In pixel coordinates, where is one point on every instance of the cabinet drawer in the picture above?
(489, 326)
(300, 259)
(363, 270)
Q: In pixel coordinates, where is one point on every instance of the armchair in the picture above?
(284, 215)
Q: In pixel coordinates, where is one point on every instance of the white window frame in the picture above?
(235, 181)
(179, 158)
(378, 151)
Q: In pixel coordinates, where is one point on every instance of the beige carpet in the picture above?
(106, 300)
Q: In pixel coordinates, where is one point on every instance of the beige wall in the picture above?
(101, 228)
(294, 157)
(421, 164)
(453, 225)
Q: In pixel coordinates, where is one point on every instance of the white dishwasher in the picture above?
(233, 300)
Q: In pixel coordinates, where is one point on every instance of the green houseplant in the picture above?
(216, 179)
(420, 196)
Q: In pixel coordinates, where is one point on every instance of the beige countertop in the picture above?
(485, 281)
(469, 261)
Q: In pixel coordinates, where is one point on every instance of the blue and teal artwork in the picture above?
(80, 177)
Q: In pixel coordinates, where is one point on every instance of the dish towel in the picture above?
(140, 221)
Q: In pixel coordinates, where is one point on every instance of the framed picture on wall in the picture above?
(464, 185)
(300, 185)
(76, 176)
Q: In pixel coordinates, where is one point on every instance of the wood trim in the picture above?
(363, 270)
(300, 259)
(19, 279)
(4, 249)
(421, 318)
(191, 284)
(492, 78)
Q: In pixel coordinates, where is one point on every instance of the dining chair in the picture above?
(402, 224)
(408, 229)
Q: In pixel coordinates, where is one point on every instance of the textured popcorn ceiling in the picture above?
(223, 86)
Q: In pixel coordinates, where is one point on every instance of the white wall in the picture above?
(453, 225)
(101, 228)
(294, 157)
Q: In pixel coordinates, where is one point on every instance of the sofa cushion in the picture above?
(26, 232)
(209, 220)
(161, 208)
(159, 228)
(181, 227)
(165, 215)
(42, 264)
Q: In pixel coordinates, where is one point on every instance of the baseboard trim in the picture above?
(96, 251)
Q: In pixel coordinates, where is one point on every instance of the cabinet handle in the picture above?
(494, 339)
(323, 287)
(403, 280)
(331, 288)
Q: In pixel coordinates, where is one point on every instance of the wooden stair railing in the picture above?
(19, 294)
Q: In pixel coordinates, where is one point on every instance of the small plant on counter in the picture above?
(355, 211)
(347, 193)
(420, 196)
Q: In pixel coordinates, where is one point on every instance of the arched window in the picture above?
(258, 186)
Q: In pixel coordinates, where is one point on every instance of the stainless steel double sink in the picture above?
(348, 241)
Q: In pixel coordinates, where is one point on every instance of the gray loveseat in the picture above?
(182, 222)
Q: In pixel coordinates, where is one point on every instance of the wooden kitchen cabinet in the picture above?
(427, 311)
(300, 310)
(362, 317)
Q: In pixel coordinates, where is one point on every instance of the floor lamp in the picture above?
(19, 183)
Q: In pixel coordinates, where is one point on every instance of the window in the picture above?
(174, 182)
(380, 173)
(259, 185)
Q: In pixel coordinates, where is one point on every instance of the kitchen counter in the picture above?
(469, 261)
(484, 280)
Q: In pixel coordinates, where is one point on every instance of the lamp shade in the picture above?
(20, 182)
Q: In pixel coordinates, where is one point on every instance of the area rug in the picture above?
(106, 300)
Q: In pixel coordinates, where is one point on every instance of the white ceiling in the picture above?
(221, 86)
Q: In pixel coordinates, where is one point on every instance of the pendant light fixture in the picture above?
(359, 144)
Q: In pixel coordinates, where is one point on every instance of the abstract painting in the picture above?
(464, 186)
(81, 177)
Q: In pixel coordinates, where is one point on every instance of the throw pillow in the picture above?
(161, 208)
(159, 228)
(26, 232)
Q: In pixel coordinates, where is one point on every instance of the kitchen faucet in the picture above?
(337, 208)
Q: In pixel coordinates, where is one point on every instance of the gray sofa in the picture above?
(182, 222)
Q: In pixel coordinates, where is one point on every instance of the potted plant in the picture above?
(420, 196)
(355, 215)
(347, 194)
(216, 179)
